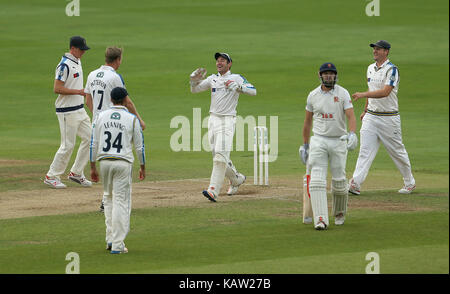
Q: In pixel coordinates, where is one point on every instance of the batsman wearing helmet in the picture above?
(327, 108)
(225, 90)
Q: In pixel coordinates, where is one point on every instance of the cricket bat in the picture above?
(307, 208)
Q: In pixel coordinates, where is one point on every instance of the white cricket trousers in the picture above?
(220, 134)
(387, 130)
(71, 125)
(116, 176)
(324, 150)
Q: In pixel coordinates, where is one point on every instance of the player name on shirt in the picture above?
(116, 125)
(98, 83)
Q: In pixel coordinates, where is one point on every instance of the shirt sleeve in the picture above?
(87, 88)
(309, 107)
(62, 72)
(347, 100)
(94, 141)
(247, 88)
(201, 86)
(138, 139)
(392, 76)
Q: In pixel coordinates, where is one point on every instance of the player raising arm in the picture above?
(225, 88)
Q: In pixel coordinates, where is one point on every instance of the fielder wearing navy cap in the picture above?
(118, 94)
(78, 42)
(382, 44)
(224, 55)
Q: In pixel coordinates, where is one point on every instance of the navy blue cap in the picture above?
(382, 44)
(78, 42)
(327, 66)
(118, 94)
(224, 55)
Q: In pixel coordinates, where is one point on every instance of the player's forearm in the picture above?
(352, 123)
(89, 103)
(382, 93)
(248, 89)
(58, 89)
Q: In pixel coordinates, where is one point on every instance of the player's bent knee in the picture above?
(219, 157)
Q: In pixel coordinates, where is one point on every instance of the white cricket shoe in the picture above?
(233, 189)
(339, 219)
(353, 188)
(80, 179)
(125, 250)
(321, 225)
(211, 195)
(54, 182)
(407, 189)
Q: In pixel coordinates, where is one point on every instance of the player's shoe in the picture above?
(80, 179)
(339, 219)
(307, 220)
(407, 189)
(125, 250)
(353, 188)
(321, 225)
(108, 246)
(54, 182)
(233, 189)
(210, 195)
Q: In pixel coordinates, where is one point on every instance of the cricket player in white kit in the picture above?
(72, 117)
(114, 132)
(327, 108)
(225, 89)
(381, 121)
(101, 81)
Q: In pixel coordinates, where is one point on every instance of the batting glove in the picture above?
(352, 140)
(304, 152)
(198, 74)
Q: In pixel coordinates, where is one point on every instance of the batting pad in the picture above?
(318, 192)
(218, 174)
(340, 196)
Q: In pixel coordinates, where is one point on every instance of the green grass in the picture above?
(256, 236)
(276, 45)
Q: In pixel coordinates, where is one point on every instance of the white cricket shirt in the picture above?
(99, 85)
(113, 134)
(223, 101)
(328, 110)
(377, 78)
(70, 72)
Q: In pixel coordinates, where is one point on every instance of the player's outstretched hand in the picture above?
(198, 74)
(358, 95)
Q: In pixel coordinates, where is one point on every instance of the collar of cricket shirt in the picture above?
(71, 57)
(120, 107)
(224, 75)
(107, 67)
(384, 63)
